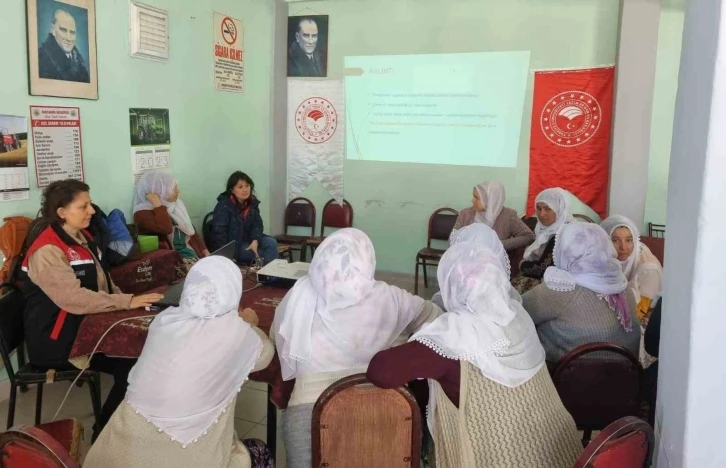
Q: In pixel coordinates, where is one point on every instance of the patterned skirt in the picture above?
(260, 456)
(524, 283)
(183, 268)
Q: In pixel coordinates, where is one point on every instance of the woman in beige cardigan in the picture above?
(488, 208)
(179, 407)
(491, 400)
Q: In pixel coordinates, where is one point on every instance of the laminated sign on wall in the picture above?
(57, 143)
(229, 68)
(315, 136)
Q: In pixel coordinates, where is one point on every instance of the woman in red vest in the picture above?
(65, 282)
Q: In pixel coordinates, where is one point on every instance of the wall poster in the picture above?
(150, 140)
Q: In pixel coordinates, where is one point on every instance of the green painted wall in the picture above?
(213, 133)
(393, 201)
(668, 59)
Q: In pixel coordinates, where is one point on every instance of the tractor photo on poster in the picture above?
(13, 141)
(149, 127)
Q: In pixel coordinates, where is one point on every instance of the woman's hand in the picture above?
(145, 300)
(253, 247)
(206, 253)
(154, 198)
(249, 316)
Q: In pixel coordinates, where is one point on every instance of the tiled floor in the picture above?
(250, 411)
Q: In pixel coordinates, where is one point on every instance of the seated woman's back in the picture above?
(583, 298)
(179, 408)
(566, 320)
(331, 324)
(491, 398)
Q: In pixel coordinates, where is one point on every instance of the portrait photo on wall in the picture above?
(307, 39)
(62, 48)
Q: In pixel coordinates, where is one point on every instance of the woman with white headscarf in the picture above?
(481, 234)
(492, 402)
(585, 296)
(552, 207)
(642, 269)
(179, 407)
(331, 323)
(159, 210)
(488, 208)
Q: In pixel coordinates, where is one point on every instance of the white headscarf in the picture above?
(483, 235)
(483, 324)
(642, 269)
(479, 233)
(337, 317)
(196, 356)
(558, 200)
(584, 256)
(162, 184)
(492, 196)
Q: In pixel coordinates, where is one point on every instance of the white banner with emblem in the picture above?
(315, 136)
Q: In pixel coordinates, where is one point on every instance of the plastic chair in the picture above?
(12, 305)
(300, 212)
(336, 216)
(597, 390)
(626, 443)
(356, 424)
(441, 223)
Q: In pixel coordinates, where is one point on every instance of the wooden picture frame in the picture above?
(62, 48)
(307, 41)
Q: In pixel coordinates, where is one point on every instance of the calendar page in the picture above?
(14, 184)
(150, 140)
(150, 159)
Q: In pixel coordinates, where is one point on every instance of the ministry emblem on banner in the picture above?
(315, 139)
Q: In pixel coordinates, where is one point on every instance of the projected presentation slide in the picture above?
(462, 109)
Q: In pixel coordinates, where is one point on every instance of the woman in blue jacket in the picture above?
(237, 218)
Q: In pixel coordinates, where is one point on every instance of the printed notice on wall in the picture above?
(150, 140)
(229, 68)
(56, 143)
(14, 183)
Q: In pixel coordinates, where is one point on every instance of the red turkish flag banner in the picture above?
(570, 135)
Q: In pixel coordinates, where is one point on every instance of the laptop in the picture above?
(172, 296)
(283, 270)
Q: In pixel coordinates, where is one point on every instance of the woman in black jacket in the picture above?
(237, 218)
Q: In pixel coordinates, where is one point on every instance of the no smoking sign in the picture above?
(228, 50)
(229, 31)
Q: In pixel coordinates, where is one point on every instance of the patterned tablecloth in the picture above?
(127, 338)
(148, 271)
